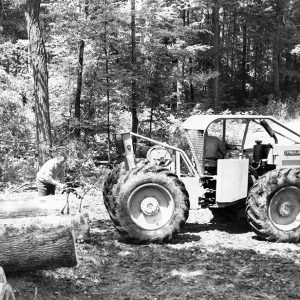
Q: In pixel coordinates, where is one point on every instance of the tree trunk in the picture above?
(276, 67)
(106, 52)
(43, 211)
(256, 62)
(216, 30)
(135, 121)
(244, 62)
(79, 88)
(38, 249)
(227, 40)
(192, 94)
(288, 66)
(40, 74)
(179, 84)
(233, 41)
(40, 206)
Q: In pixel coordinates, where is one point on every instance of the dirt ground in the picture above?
(206, 261)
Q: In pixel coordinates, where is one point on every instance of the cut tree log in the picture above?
(6, 292)
(38, 249)
(35, 235)
(13, 207)
(17, 226)
(16, 212)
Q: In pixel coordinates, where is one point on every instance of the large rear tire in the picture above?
(273, 206)
(110, 181)
(149, 204)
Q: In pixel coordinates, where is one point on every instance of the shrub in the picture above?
(281, 108)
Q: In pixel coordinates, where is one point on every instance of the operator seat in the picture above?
(214, 150)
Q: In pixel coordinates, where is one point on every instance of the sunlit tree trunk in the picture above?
(79, 88)
(192, 94)
(244, 62)
(179, 83)
(135, 121)
(151, 117)
(288, 65)
(216, 30)
(106, 52)
(40, 75)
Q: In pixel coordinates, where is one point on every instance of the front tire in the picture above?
(273, 206)
(150, 204)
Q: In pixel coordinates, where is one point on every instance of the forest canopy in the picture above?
(140, 65)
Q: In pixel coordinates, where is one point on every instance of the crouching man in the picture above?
(51, 175)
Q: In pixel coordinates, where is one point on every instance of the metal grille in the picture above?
(196, 142)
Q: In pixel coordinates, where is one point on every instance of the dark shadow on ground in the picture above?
(180, 238)
(108, 231)
(183, 238)
(230, 227)
(187, 234)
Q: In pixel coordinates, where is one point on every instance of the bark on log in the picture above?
(16, 226)
(38, 249)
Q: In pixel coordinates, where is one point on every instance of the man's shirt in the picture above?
(51, 171)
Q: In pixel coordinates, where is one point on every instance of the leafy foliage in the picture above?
(174, 70)
(17, 155)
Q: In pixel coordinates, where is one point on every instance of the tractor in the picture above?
(257, 180)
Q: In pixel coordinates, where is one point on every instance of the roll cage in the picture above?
(196, 128)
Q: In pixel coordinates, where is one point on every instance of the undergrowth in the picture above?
(19, 167)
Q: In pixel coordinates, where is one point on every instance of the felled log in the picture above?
(38, 249)
(11, 207)
(20, 212)
(35, 235)
(17, 226)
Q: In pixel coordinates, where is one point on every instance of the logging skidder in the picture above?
(149, 199)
